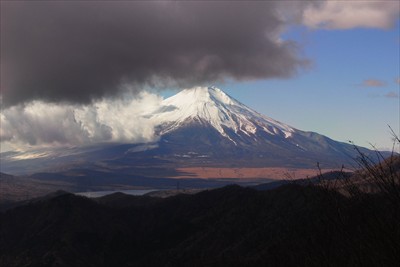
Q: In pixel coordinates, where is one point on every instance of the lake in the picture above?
(134, 192)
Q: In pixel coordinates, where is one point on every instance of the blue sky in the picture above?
(331, 97)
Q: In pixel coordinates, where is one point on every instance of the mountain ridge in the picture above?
(230, 226)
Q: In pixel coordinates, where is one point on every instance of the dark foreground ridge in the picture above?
(292, 225)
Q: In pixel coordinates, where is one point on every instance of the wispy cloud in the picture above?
(392, 95)
(351, 14)
(398, 80)
(373, 83)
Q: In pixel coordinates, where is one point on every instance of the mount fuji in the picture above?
(200, 127)
(212, 107)
(205, 126)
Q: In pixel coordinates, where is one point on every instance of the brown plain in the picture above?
(249, 173)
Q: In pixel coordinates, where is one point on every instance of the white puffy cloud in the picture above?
(42, 124)
(351, 14)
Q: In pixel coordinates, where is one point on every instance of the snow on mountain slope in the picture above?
(213, 106)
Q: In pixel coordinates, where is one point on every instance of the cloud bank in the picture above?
(83, 51)
(80, 51)
(41, 124)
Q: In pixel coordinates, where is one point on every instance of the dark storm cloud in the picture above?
(80, 51)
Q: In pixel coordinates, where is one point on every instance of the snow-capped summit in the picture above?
(213, 106)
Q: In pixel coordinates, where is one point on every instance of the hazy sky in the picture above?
(75, 72)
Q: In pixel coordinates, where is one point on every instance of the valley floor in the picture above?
(273, 173)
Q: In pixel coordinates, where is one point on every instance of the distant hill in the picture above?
(292, 225)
